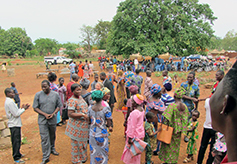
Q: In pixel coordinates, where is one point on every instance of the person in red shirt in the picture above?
(223, 105)
(69, 93)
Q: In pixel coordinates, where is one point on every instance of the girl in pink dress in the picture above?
(135, 128)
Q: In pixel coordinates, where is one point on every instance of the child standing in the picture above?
(175, 81)
(150, 136)
(167, 78)
(192, 135)
(125, 111)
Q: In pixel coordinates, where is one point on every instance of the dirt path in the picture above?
(28, 84)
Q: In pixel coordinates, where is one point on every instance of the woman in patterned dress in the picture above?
(176, 116)
(100, 118)
(121, 90)
(77, 125)
(86, 70)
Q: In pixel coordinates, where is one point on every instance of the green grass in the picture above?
(24, 140)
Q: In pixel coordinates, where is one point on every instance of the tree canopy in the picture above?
(158, 26)
(102, 29)
(46, 45)
(14, 41)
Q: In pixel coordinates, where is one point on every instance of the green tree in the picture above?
(46, 45)
(88, 37)
(216, 43)
(14, 41)
(159, 26)
(102, 29)
(229, 42)
(72, 50)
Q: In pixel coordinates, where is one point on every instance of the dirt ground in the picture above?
(27, 83)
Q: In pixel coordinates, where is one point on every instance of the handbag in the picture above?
(137, 147)
(65, 114)
(165, 134)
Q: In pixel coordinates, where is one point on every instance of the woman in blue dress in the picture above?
(100, 119)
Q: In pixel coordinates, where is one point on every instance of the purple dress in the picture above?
(61, 91)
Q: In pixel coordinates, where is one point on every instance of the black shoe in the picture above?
(59, 124)
(54, 152)
(155, 153)
(45, 161)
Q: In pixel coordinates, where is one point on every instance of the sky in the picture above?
(62, 19)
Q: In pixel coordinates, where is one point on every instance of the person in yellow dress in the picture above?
(115, 67)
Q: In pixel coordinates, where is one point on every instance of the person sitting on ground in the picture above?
(223, 105)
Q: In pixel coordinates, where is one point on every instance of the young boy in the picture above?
(167, 79)
(16, 98)
(150, 136)
(192, 135)
(14, 123)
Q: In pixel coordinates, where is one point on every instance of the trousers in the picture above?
(48, 136)
(16, 142)
(206, 136)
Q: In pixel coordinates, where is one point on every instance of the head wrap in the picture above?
(85, 83)
(155, 89)
(97, 95)
(179, 93)
(139, 99)
(156, 105)
(120, 73)
(133, 89)
(105, 90)
(168, 86)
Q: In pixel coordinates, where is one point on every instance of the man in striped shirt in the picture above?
(165, 98)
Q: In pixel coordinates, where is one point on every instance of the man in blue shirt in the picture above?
(16, 98)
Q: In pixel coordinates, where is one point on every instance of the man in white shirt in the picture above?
(14, 123)
(208, 134)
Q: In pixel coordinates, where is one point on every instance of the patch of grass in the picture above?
(158, 74)
(24, 140)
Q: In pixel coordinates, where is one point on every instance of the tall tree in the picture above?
(72, 50)
(159, 26)
(229, 42)
(46, 45)
(14, 41)
(88, 37)
(102, 29)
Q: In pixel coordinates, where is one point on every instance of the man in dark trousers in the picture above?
(109, 85)
(47, 103)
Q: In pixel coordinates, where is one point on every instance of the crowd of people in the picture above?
(158, 64)
(90, 121)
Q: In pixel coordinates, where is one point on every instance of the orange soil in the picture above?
(27, 83)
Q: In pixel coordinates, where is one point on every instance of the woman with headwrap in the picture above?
(77, 125)
(135, 129)
(156, 106)
(106, 97)
(176, 116)
(100, 119)
(85, 83)
(120, 90)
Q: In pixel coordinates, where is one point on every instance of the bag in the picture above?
(165, 134)
(65, 114)
(137, 147)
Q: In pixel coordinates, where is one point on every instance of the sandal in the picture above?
(186, 160)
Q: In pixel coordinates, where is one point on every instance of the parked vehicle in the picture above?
(57, 60)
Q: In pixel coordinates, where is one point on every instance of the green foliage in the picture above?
(229, 42)
(88, 37)
(14, 41)
(102, 29)
(155, 27)
(71, 50)
(46, 45)
(24, 140)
